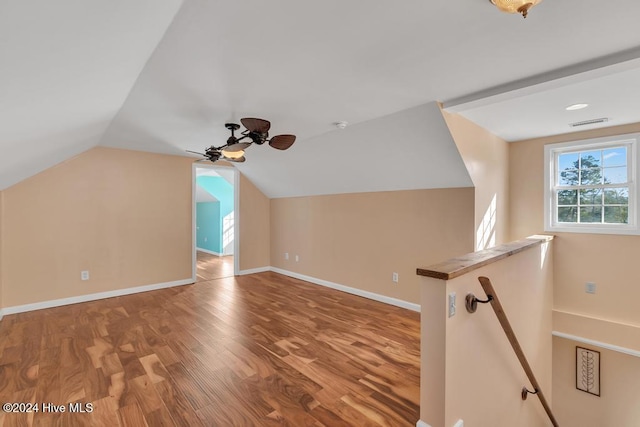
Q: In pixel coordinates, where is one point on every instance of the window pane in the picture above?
(591, 176)
(615, 156)
(616, 196)
(568, 197)
(568, 161)
(591, 196)
(568, 177)
(569, 214)
(591, 214)
(615, 175)
(590, 159)
(616, 214)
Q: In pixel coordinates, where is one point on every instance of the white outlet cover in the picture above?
(394, 277)
(286, 255)
(590, 288)
(452, 304)
(84, 275)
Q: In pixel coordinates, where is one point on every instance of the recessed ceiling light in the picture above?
(574, 107)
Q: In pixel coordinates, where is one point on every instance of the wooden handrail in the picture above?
(511, 336)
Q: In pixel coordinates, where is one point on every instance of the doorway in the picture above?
(215, 222)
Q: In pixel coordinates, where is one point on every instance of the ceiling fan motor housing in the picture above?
(212, 154)
(258, 138)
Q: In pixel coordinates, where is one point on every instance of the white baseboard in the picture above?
(207, 251)
(120, 292)
(355, 291)
(595, 343)
(253, 271)
(421, 423)
(92, 297)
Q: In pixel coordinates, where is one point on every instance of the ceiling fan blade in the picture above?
(238, 160)
(282, 142)
(237, 146)
(256, 125)
(195, 152)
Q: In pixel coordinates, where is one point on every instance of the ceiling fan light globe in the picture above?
(233, 154)
(515, 6)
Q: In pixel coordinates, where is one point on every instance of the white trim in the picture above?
(194, 258)
(421, 423)
(93, 297)
(366, 294)
(207, 251)
(236, 214)
(550, 175)
(1, 314)
(254, 271)
(600, 344)
(236, 221)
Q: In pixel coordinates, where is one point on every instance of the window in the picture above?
(590, 186)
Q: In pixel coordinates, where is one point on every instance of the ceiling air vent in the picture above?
(589, 122)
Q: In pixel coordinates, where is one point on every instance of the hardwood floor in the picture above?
(256, 350)
(209, 267)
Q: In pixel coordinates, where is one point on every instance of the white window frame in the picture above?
(551, 152)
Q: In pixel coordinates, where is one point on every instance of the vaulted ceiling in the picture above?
(165, 75)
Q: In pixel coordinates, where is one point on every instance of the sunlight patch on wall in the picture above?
(544, 248)
(228, 233)
(486, 232)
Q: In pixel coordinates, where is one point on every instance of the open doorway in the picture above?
(215, 216)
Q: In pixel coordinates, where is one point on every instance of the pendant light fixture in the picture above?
(515, 6)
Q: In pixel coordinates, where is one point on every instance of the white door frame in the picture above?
(236, 215)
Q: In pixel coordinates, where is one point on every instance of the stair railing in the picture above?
(492, 298)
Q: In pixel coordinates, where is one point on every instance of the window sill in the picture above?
(593, 229)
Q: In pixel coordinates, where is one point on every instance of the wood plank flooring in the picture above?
(209, 267)
(256, 350)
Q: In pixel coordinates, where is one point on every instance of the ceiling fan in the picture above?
(256, 132)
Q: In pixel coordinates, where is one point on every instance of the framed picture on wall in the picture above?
(588, 370)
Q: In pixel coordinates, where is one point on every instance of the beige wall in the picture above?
(469, 370)
(253, 226)
(608, 260)
(359, 240)
(618, 404)
(610, 316)
(487, 159)
(1, 251)
(123, 215)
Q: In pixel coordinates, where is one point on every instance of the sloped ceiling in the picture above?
(203, 195)
(74, 75)
(66, 68)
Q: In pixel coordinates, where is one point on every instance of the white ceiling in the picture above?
(77, 73)
(536, 106)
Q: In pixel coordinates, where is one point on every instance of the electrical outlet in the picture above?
(286, 255)
(297, 258)
(590, 288)
(394, 277)
(84, 275)
(452, 304)
(205, 239)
